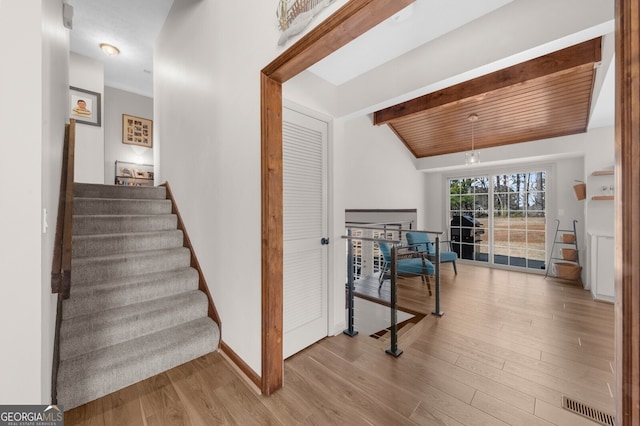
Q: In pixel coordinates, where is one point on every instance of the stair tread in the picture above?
(82, 190)
(99, 329)
(125, 242)
(92, 286)
(120, 206)
(111, 224)
(89, 322)
(89, 376)
(127, 256)
(92, 268)
(108, 294)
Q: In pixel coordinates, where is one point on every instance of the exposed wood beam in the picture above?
(565, 59)
(352, 20)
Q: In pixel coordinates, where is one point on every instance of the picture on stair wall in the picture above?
(137, 131)
(84, 106)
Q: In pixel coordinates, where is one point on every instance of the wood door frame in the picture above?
(353, 19)
(627, 228)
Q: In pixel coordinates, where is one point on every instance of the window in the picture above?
(511, 230)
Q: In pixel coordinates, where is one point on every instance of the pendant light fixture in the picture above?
(472, 157)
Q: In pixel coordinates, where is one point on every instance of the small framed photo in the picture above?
(137, 131)
(85, 106)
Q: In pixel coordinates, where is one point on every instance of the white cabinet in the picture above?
(603, 267)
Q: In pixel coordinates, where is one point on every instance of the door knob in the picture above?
(324, 241)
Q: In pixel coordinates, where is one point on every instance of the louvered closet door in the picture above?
(305, 224)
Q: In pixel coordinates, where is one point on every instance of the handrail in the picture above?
(61, 268)
(61, 265)
(394, 223)
(202, 283)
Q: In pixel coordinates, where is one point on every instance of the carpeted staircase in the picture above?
(135, 309)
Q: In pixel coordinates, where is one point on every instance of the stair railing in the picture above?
(393, 305)
(61, 267)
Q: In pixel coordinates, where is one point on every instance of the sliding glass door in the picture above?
(509, 230)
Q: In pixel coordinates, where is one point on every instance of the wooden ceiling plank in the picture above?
(588, 52)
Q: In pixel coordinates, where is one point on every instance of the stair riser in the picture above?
(109, 191)
(97, 331)
(90, 225)
(98, 269)
(91, 376)
(86, 299)
(101, 206)
(102, 245)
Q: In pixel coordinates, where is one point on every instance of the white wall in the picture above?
(116, 103)
(378, 170)
(207, 109)
(88, 74)
(33, 105)
(206, 104)
(55, 55)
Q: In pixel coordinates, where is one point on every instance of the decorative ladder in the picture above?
(564, 258)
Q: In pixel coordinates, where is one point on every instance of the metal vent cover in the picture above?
(588, 412)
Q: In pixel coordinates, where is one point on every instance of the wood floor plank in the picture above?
(368, 406)
(506, 394)
(417, 376)
(430, 416)
(161, 402)
(559, 416)
(580, 363)
(505, 352)
(244, 405)
(124, 407)
(388, 392)
(506, 412)
(596, 396)
(197, 397)
(538, 391)
(454, 348)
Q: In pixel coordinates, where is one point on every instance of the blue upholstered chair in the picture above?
(420, 241)
(412, 266)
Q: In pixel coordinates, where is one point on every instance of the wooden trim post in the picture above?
(627, 198)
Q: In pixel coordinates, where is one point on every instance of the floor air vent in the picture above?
(588, 412)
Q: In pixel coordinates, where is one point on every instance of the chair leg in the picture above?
(428, 283)
(381, 277)
(455, 268)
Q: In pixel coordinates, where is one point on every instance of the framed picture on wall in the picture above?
(137, 131)
(85, 106)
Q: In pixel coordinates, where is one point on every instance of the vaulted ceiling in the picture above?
(542, 98)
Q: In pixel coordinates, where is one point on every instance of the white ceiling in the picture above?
(133, 26)
(417, 24)
(130, 25)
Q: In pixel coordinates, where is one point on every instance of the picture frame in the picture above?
(85, 106)
(137, 131)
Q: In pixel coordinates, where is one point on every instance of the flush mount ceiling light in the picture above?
(472, 157)
(109, 49)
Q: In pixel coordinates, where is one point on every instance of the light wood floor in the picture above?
(509, 346)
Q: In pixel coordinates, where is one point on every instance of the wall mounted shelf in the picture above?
(602, 197)
(602, 172)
